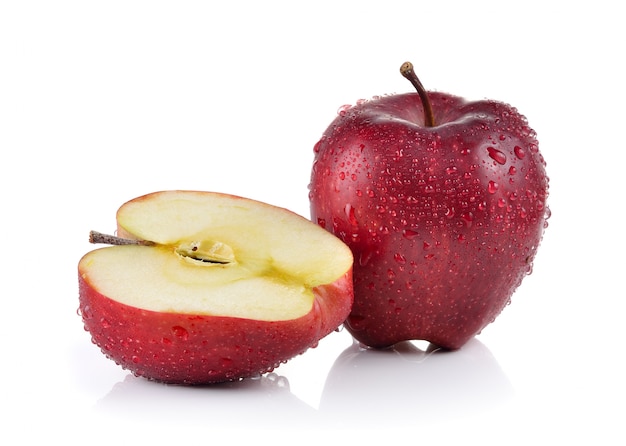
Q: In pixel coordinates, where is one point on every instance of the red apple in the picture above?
(443, 203)
(208, 287)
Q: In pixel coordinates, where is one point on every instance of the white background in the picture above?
(103, 101)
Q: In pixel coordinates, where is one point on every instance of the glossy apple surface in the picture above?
(444, 221)
(225, 287)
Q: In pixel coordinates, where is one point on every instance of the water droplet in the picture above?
(426, 246)
(409, 234)
(512, 170)
(343, 110)
(492, 187)
(496, 155)
(349, 210)
(522, 213)
(105, 323)
(519, 152)
(356, 322)
(316, 147)
(452, 170)
(399, 258)
(282, 382)
(467, 218)
(321, 223)
(180, 332)
(365, 257)
(85, 312)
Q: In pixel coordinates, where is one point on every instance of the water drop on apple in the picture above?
(365, 257)
(409, 234)
(495, 154)
(467, 218)
(349, 210)
(343, 110)
(399, 258)
(492, 187)
(180, 332)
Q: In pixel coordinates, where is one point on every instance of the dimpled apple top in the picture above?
(443, 221)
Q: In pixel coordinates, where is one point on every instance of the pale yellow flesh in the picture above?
(275, 258)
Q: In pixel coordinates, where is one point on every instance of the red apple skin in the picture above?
(444, 222)
(202, 349)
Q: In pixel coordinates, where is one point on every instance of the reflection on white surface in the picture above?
(263, 402)
(407, 384)
(403, 384)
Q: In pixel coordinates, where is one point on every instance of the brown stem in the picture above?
(98, 237)
(407, 71)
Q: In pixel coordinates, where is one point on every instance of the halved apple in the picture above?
(210, 287)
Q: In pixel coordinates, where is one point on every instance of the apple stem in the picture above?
(407, 71)
(98, 237)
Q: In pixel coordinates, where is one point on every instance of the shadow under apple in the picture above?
(367, 387)
(265, 402)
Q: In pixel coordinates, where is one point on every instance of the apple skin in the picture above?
(444, 221)
(198, 349)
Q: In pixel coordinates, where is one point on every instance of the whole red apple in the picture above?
(443, 203)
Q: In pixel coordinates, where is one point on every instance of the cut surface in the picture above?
(217, 255)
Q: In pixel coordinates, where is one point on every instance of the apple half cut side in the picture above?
(209, 287)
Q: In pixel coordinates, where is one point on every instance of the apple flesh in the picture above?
(210, 287)
(444, 212)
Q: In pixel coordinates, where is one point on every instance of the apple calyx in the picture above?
(407, 71)
(205, 251)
